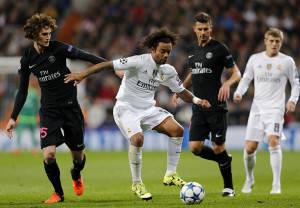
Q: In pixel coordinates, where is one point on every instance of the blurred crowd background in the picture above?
(115, 28)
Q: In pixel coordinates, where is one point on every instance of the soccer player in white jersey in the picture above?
(270, 71)
(135, 110)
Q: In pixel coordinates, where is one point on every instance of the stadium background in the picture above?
(114, 28)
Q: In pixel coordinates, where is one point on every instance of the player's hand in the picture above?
(174, 100)
(76, 77)
(202, 102)
(290, 106)
(224, 92)
(237, 98)
(11, 124)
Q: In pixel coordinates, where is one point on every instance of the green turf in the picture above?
(107, 181)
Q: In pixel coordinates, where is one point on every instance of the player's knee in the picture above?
(137, 140)
(250, 150)
(195, 148)
(218, 147)
(219, 143)
(274, 141)
(178, 132)
(49, 160)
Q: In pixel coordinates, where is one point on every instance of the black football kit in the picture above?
(61, 119)
(206, 65)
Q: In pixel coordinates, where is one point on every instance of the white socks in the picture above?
(135, 162)
(249, 163)
(276, 162)
(174, 150)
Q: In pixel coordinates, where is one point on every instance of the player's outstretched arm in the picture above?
(77, 77)
(187, 96)
(187, 83)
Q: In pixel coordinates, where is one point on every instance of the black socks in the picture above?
(224, 161)
(77, 167)
(53, 174)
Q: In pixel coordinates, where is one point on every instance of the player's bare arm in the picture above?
(224, 91)
(77, 77)
(188, 97)
(187, 83)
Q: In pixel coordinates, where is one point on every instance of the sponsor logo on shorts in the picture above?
(218, 135)
(43, 132)
(79, 145)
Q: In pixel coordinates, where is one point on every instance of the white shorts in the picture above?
(261, 125)
(131, 120)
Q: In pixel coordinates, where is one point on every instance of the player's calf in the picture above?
(78, 185)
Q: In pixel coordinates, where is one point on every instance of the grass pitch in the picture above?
(23, 182)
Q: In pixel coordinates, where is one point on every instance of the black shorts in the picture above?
(62, 125)
(205, 122)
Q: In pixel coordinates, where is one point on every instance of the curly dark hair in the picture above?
(36, 22)
(203, 17)
(160, 35)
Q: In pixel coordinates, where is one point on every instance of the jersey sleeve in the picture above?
(246, 79)
(24, 74)
(72, 52)
(227, 58)
(129, 63)
(293, 77)
(173, 81)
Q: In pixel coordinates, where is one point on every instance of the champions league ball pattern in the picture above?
(192, 193)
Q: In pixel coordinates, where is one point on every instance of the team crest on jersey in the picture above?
(162, 76)
(279, 67)
(269, 66)
(123, 60)
(51, 59)
(209, 55)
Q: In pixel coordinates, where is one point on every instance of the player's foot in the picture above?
(173, 180)
(275, 190)
(247, 188)
(140, 190)
(78, 186)
(228, 192)
(54, 198)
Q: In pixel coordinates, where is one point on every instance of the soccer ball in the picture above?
(192, 193)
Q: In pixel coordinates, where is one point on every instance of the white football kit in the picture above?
(135, 109)
(270, 75)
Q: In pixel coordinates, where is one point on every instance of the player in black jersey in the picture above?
(206, 63)
(61, 119)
